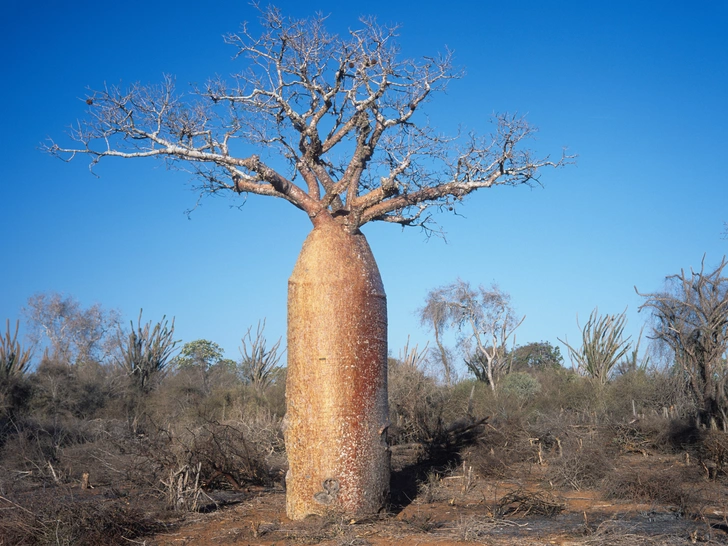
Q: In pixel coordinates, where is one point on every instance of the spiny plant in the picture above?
(259, 364)
(146, 351)
(14, 359)
(602, 345)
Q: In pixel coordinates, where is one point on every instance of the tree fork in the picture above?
(336, 392)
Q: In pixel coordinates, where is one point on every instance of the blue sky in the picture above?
(637, 89)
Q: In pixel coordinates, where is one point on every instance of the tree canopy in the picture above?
(340, 110)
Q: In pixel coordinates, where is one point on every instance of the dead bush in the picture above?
(230, 455)
(37, 447)
(416, 405)
(524, 503)
(54, 517)
(712, 453)
(707, 446)
(683, 435)
(581, 466)
(563, 390)
(431, 489)
(501, 447)
(61, 390)
(641, 436)
(676, 486)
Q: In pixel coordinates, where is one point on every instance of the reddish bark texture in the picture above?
(336, 392)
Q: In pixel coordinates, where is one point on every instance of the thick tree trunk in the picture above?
(336, 392)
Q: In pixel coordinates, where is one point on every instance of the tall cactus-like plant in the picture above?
(146, 351)
(259, 364)
(14, 359)
(602, 345)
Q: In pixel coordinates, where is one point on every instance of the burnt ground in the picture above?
(456, 506)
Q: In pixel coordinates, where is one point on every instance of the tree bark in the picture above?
(336, 393)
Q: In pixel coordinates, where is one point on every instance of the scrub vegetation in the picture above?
(152, 439)
(118, 436)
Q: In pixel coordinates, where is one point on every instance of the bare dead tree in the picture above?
(486, 321)
(74, 334)
(691, 317)
(342, 113)
(259, 364)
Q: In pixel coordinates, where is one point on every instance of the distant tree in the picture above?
(691, 317)
(259, 364)
(330, 124)
(434, 315)
(200, 353)
(61, 390)
(540, 355)
(73, 334)
(602, 346)
(485, 321)
(523, 386)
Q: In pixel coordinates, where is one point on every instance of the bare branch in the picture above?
(691, 317)
(340, 110)
(485, 320)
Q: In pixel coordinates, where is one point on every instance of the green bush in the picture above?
(522, 385)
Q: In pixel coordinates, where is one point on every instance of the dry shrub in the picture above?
(563, 390)
(49, 517)
(524, 503)
(647, 392)
(642, 435)
(713, 452)
(582, 467)
(231, 453)
(501, 447)
(41, 448)
(676, 486)
(709, 447)
(432, 489)
(416, 405)
(236, 453)
(683, 435)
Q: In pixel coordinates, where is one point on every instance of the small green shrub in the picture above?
(522, 385)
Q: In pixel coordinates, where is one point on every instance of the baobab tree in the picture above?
(340, 112)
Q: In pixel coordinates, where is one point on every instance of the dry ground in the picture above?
(459, 507)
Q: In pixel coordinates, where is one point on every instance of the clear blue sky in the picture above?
(639, 90)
